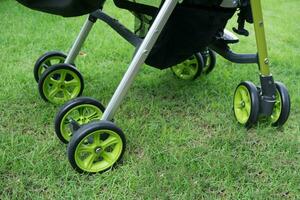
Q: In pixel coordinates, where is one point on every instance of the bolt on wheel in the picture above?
(246, 104)
(74, 114)
(96, 147)
(60, 83)
(189, 69)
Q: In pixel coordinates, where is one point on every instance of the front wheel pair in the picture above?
(246, 104)
(58, 82)
(93, 145)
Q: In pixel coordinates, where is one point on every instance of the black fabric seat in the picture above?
(66, 8)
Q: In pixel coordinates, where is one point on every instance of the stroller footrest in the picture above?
(229, 37)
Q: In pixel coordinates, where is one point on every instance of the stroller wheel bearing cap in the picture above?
(282, 105)
(96, 147)
(189, 69)
(47, 60)
(246, 104)
(81, 110)
(60, 83)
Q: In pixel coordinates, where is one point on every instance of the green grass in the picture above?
(183, 140)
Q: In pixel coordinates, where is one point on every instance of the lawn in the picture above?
(183, 141)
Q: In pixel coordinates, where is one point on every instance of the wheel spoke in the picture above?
(45, 66)
(63, 75)
(179, 70)
(85, 148)
(190, 69)
(53, 92)
(88, 161)
(80, 111)
(108, 157)
(73, 82)
(96, 138)
(48, 63)
(93, 116)
(111, 140)
(53, 81)
(67, 94)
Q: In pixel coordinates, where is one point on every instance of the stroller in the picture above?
(179, 34)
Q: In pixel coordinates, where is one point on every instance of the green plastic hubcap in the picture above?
(81, 114)
(242, 104)
(187, 70)
(61, 85)
(53, 60)
(277, 108)
(98, 151)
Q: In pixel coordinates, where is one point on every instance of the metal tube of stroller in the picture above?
(84, 32)
(139, 58)
(260, 37)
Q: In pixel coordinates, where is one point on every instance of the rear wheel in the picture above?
(189, 69)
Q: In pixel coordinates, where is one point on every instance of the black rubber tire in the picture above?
(81, 133)
(286, 104)
(54, 68)
(67, 107)
(209, 60)
(254, 96)
(42, 59)
(199, 58)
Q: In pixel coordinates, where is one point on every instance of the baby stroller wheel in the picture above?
(60, 83)
(209, 59)
(246, 104)
(45, 61)
(96, 147)
(189, 69)
(75, 113)
(281, 110)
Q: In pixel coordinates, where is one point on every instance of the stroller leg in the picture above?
(260, 37)
(139, 58)
(268, 88)
(80, 40)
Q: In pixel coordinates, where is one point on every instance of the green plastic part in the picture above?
(187, 70)
(98, 151)
(50, 62)
(277, 108)
(61, 85)
(82, 114)
(242, 104)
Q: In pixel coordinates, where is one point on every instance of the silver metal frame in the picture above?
(139, 58)
(85, 30)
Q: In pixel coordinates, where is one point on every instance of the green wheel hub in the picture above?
(187, 70)
(61, 85)
(50, 62)
(242, 104)
(98, 151)
(82, 114)
(277, 108)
